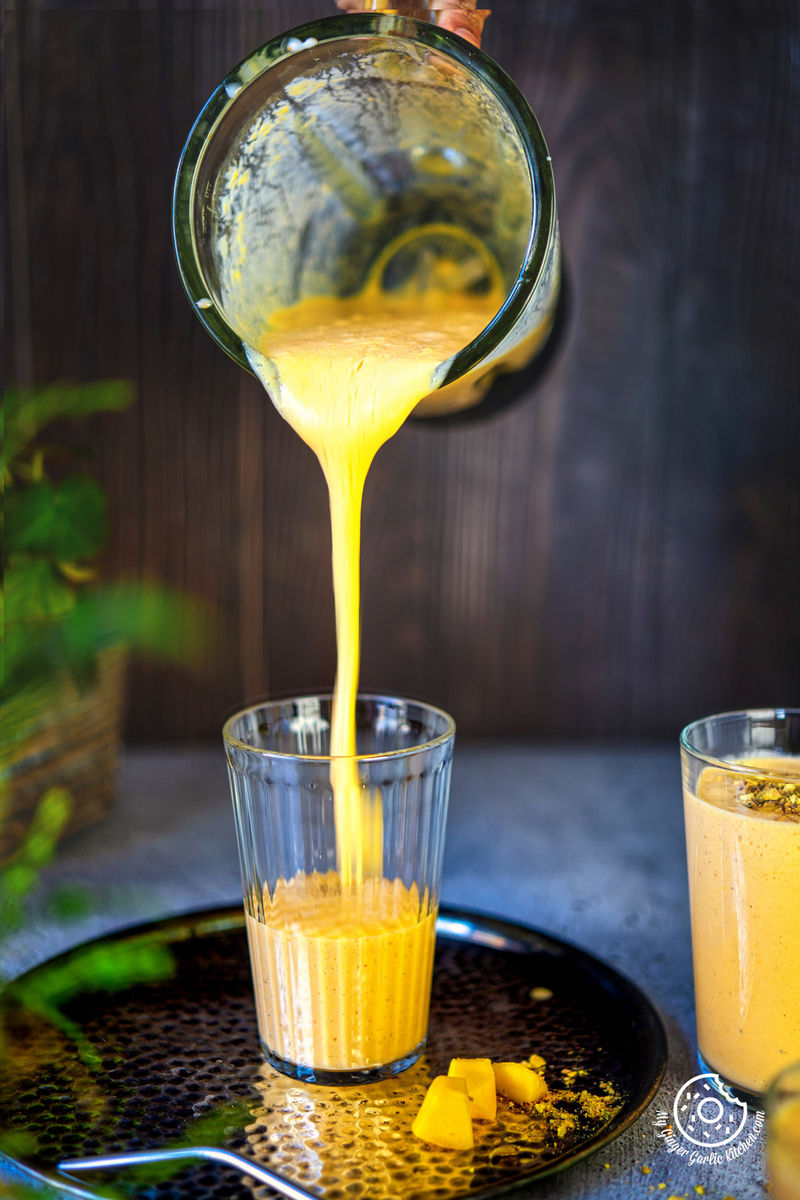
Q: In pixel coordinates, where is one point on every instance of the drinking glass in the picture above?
(342, 957)
(783, 1135)
(370, 146)
(741, 785)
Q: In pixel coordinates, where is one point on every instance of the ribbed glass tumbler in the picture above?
(341, 862)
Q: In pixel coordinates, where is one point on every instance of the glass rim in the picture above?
(236, 743)
(346, 27)
(763, 714)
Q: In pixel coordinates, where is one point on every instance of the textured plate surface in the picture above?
(147, 1039)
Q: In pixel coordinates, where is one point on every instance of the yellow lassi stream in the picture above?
(744, 879)
(345, 374)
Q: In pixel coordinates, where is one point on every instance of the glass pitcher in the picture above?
(370, 146)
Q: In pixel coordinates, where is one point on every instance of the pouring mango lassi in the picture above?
(357, 202)
(342, 961)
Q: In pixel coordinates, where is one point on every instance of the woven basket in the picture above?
(74, 744)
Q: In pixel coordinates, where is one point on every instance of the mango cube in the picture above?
(443, 1118)
(518, 1082)
(478, 1075)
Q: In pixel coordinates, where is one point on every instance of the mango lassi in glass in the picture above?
(741, 776)
(342, 967)
(783, 1135)
(342, 976)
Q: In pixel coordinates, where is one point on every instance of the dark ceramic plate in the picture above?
(146, 1040)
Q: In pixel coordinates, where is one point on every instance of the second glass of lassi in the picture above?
(341, 862)
(741, 785)
(783, 1135)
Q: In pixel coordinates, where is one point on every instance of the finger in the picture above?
(464, 24)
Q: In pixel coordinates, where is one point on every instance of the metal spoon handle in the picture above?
(244, 1166)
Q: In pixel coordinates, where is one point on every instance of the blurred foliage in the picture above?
(212, 1129)
(68, 903)
(33, 853)
(56, 617)
(29, 410)
(19, 1143)
(98, 967)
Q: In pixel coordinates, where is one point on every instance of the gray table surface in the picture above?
(582, 841)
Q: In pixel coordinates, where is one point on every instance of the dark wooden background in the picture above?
(617, 553)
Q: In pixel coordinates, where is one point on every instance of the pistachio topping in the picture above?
(771, 795)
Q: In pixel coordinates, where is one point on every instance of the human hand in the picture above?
(457, 16)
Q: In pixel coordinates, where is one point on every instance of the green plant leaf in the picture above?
(34, 590)
(61, 521)
(168, 626)
(31, 655)
(27, 410)
(35, 851)
(52, 814)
